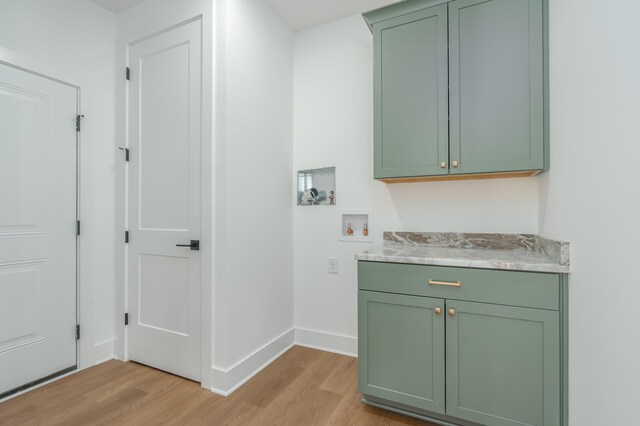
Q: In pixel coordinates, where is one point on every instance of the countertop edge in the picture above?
(555, 268)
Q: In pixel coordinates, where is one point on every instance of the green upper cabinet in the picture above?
(459, 89)
(411, 110)
(496, 85)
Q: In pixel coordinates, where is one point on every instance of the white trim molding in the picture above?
(225, 381)
(103, 351)
(329, 342)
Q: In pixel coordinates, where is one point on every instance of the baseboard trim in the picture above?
(102, 352)
(329, 342)
(225, 381)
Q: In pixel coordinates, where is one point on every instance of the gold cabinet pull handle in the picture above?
(438, 310)
(445, 283)
(452, 312)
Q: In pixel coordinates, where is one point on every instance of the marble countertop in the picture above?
(515, 252)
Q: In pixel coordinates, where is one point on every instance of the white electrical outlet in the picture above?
(333, 265)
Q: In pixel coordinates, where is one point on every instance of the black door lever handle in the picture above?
(194, 245)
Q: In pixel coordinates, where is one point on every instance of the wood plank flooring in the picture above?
(302, 387)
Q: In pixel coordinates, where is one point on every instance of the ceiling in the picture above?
(303, 14)
(117, 6)
(299, 14)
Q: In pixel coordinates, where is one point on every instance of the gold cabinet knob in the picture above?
(443, 164)
(438, 310)
(452, 312)
(454, 163)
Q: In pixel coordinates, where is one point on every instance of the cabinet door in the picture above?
(496, 85)
(410, 95)
(503, 364)
(401, 349)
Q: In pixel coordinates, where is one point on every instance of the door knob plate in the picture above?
(193, 245)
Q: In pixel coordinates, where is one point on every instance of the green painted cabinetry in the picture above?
(459, 89)
(403, 338)
(503, 364)
(411, 111)
(452, 354)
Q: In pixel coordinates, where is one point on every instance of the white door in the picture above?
(164, 201)
(37, 228)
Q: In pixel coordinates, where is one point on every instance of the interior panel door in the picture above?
(164, 200)
(37, 227)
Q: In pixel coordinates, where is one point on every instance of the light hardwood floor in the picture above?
(303, 387)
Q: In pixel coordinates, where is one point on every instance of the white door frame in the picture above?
(121, 188)
(14, 60)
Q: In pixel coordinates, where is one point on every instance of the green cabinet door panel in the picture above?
(410, 94)
(496, 85)
(503, 364)
(401, 349)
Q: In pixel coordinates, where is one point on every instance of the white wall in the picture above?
(333, 125)
(253, 288)
(73, 40)
(591, 197)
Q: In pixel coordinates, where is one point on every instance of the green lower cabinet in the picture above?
(490, 350)
(401, 349)
(503, 364)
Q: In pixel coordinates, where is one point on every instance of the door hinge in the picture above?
(77, 331)
(126, 236)
(126, 319)
(77, 227)
(126, 153)
(79, 118)
(127, 73)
